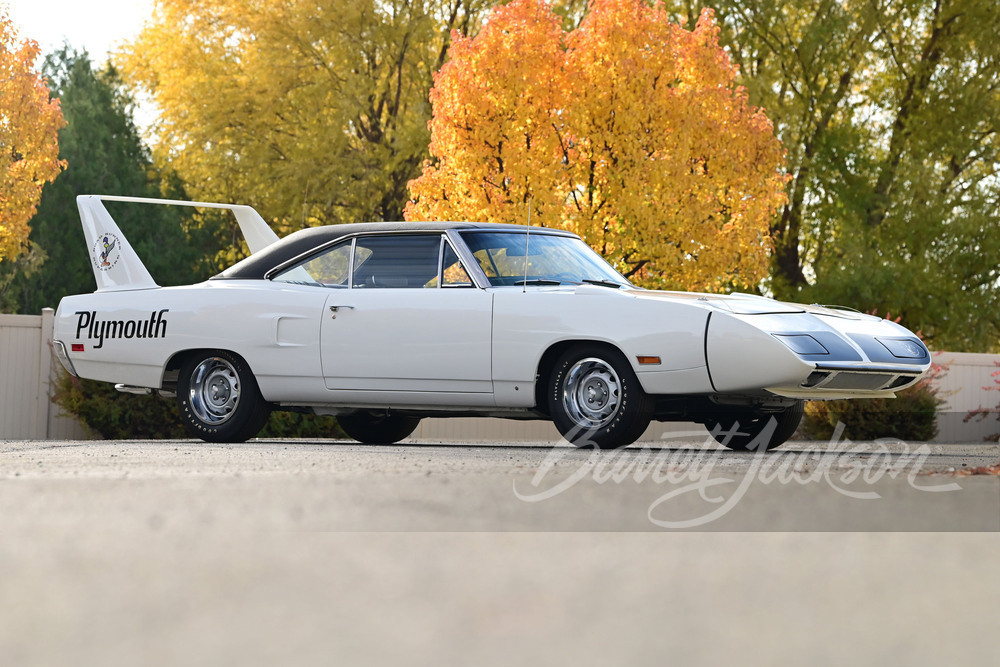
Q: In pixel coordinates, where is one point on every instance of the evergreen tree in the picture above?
(105, 155)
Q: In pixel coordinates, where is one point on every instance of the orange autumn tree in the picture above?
(629, 130)
(493, 131)
(29, 148)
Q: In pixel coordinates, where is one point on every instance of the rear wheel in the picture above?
(219, 399)
(595, 398)
(747, 430)
(373, 429)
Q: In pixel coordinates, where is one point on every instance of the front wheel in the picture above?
(595, 398)
(219, 399)
(373, 429)
(748, 431)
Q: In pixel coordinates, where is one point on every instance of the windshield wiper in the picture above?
(602, 283)
(538, 281)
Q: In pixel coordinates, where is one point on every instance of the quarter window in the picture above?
(328, 269)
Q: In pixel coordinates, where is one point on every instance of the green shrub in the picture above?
(110, 414)
(912, 415)
(301, 425)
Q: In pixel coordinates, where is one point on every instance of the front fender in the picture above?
(742, 357)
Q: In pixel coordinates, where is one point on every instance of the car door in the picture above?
(410, 320)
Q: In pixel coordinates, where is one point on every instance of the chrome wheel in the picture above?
(214, 390)
(595, 399)
(591, 393)
(218, 397)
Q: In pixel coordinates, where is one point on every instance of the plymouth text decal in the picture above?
(87, 322)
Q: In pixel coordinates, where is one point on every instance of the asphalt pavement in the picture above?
(181, 552)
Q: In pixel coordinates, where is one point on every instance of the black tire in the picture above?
(219, 398)
(373, 429)
(740, 431)
(595, 399)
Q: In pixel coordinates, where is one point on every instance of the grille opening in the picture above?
(814, 379)
(859, 381)
(901, 381)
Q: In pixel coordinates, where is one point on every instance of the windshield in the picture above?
(516, 258)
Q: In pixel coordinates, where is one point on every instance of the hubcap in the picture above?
(592, 393)
(215, 390)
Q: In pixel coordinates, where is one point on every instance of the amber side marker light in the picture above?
(648, 361)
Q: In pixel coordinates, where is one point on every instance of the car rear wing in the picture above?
(116, 265)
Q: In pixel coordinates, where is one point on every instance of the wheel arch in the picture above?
(173, 366)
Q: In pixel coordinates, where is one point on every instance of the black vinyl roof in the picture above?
(301, 242)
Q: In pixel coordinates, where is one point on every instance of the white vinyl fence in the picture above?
(27, 369)
(963, 389)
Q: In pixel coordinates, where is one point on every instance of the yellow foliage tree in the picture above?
(628, 130)
(29, 139)
(314, 111)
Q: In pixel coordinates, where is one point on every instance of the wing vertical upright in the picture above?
(116, 265)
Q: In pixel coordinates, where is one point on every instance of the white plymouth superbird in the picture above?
(381, 324)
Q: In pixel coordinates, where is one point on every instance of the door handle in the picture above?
(336, 309)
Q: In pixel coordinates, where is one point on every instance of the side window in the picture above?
(396, 261)
(328, 269)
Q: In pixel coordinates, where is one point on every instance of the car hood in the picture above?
(751, 304)
(739, 304)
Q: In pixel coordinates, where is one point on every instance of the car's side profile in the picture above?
(382, 324)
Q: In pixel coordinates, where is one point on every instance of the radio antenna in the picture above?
(527, 239)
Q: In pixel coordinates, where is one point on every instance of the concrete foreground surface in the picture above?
(180, 552)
